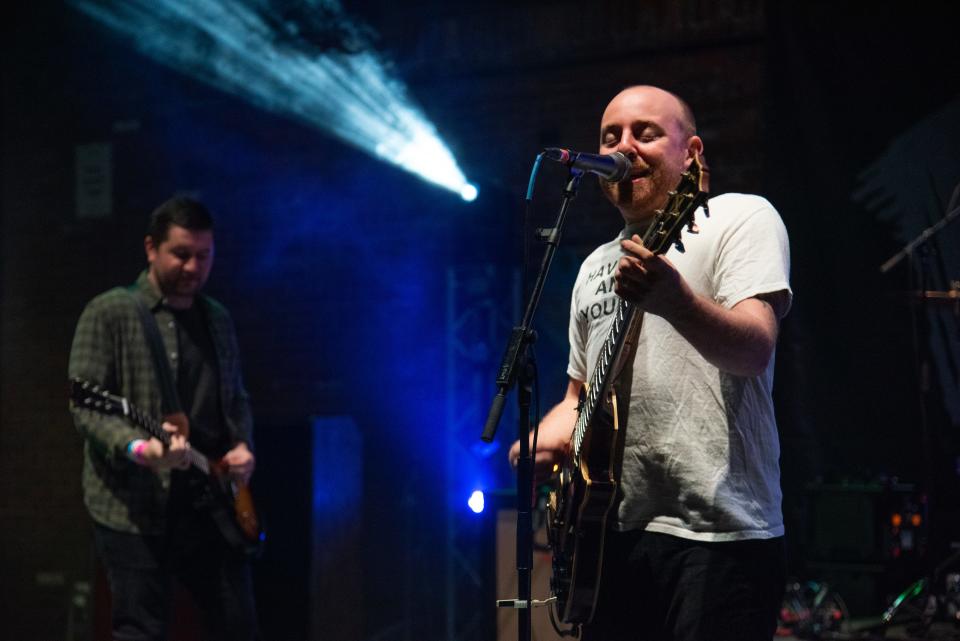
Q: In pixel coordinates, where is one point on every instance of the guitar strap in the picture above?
(170, 401)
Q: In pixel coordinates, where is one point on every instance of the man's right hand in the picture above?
(547, 458)
(553, 441)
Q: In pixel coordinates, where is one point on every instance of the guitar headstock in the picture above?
(682, 202)
(87, 395)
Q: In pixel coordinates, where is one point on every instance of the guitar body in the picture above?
(246, 515)
(230, 503)
(577, 512)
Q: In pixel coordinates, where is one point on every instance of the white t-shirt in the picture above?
(701, 453)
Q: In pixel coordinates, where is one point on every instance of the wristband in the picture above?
(135, 451)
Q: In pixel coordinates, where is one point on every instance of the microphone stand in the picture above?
(516, 369)
(928, 233)
(921, 347)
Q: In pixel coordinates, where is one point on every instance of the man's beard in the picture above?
(180, 286)
(637, 200)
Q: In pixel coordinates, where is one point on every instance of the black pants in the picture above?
(141, 571)
(657, 587)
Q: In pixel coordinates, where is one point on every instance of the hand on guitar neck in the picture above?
(160, 456)
(651, 281)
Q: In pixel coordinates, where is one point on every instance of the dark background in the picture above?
(348, 280)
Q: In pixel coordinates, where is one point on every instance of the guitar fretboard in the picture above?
(625, 317)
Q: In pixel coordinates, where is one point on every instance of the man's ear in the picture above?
(694, 148)
(149, 248)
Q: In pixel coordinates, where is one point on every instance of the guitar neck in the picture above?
(625, 327)
(90, 396)
(660, 235)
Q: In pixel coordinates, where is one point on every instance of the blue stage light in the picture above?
(314, 65)
(476, 501)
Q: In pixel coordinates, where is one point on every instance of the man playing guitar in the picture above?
(693, 548)
(152, 516)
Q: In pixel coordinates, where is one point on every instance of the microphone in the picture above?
(611, 167)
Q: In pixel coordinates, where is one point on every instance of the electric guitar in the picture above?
(230, 503)
(586, 486)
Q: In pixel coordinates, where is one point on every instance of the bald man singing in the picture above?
(694, 549)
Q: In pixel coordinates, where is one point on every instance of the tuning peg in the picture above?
(692, 227)
(679, 245)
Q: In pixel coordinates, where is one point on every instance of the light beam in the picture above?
(299, 70)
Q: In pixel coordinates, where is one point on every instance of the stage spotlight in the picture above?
(313, 63)
(469, 192)
(476, 501)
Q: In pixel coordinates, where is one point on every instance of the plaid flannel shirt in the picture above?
(111, 350)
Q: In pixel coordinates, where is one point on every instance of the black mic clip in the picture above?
(543, 234)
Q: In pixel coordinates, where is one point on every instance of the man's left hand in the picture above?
(240, 462)
(651, 281)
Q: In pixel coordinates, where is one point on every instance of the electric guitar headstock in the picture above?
(87, 395)
(682, 202)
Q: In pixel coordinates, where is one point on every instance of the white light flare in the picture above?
(348, 95)
(476, 502)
